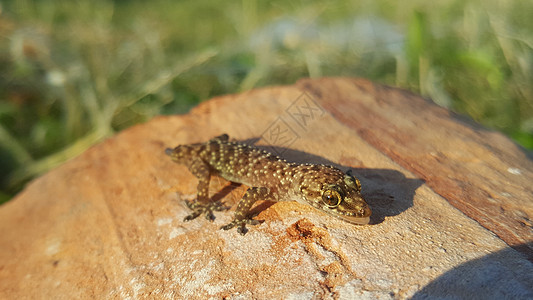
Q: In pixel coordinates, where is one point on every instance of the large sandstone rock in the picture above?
(452, 203)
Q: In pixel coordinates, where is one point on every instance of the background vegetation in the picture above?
(75, 72)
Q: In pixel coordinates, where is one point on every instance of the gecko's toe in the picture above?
(192, 216)
(209, 215)
(242, 229)
(219, 206)
(228, 226)
(192, 205)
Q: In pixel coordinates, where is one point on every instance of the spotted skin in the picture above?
(270, 178)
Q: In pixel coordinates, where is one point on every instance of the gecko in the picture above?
(268, 177)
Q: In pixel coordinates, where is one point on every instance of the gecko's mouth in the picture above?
(361, 218)
(356, 220)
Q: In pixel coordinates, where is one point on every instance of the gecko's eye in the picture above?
(331, 198)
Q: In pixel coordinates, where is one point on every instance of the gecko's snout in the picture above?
(169, 151)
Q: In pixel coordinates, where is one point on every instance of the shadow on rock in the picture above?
(506, 274)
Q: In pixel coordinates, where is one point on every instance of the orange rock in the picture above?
(109, 224)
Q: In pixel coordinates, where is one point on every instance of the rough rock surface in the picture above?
(452, 203)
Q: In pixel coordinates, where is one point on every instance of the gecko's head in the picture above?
(337, 194)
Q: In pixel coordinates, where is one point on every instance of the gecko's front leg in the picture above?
(202, 205)
(242, 216)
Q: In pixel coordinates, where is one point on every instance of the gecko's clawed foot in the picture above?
(241, 223)
(199, 208)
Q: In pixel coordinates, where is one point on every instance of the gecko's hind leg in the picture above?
(199, 208)
(202, 205)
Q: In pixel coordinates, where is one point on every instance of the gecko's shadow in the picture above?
(387, 191)
(504, 274)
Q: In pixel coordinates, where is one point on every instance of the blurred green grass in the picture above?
(75, 72)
